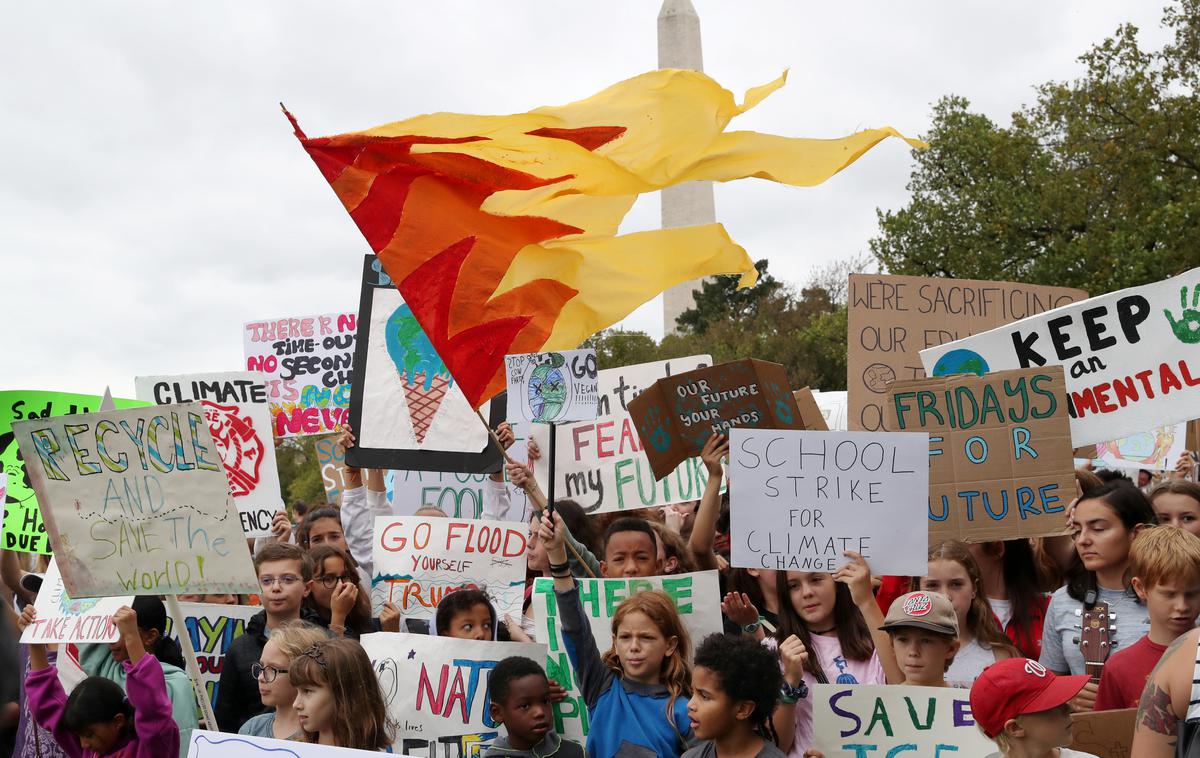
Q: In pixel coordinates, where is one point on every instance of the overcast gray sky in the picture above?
(152, 198)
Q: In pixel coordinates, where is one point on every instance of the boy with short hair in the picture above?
(630, 550)
(285, 573)
(1165, 564)
(1023, 708)
(923, 628)
(520, 694)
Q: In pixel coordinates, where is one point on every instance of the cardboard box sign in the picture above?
(1000, 463)
(1106, 733)
(810, 412)
(675, 416)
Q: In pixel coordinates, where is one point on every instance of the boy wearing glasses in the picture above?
(285, 574)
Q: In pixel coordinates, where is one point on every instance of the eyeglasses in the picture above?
(266, 673)
(330, 581)
(287, 580)
(317, 653)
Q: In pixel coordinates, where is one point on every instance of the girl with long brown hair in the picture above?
(338, 700)
(336, 596)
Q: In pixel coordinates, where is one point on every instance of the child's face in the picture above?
(279, 690)
(712, 712)
(333, 568)
(1046, 730)
(314, 707)
(950, 578)
(1178, 510)
(922, 654)
(475, 623)
(283, 587)
(102, 737)
(526, 713)
(813, 596)
(642, 648)
(630, 554)
(327, 531)
(1101, 538)
(1172, 606)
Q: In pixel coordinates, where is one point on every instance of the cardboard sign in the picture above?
(892, 318)
(236, 409)
(697, 598)
(1108, 734)
(436, 689)
(799, 500)
(875, 720)
(1156, 450)
(1000, 456)
(23, 529)
(419, 560)
(213, 628)
(1129, 356)
(331, 459)
(136, 502)
(61, 618)
(306, 363)
(811, 417)
(677, 415)
(601, 464)
(551, 388)
(205, 744)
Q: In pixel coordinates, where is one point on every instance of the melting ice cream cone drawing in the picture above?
(424, 376)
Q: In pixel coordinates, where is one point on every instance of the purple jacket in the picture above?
(156, 733)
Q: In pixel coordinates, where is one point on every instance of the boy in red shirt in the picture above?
(1165, 563)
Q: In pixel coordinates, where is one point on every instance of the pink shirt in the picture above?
(838, 670)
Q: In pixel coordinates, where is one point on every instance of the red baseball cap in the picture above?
(1017, 686)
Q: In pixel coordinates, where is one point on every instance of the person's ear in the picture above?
(119, 721)
(954, 646)
(603, 568)
(494, 711)
(1013, 729)
(743, 710)
(1137, 529)
(1139, 587)
(308, 585)
(672, 645)
(671, 565)
(149, 637)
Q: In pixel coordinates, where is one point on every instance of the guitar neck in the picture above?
(1094, 670)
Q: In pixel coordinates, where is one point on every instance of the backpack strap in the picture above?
(1193, 711)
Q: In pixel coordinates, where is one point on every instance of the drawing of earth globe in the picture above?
(960, 362)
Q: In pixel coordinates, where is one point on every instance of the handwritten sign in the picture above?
(61, 618)
(799, 500)
(458, 495)
(1000, 456)
(330, 460)
(1129, 356)
(306, 363)
(213, 628)
(24, 531)
(419, 560)
(869, 720)
(601, 464)
(1157, 449)
(697, 597)
(236, 409)
(677, 414)
(1104, 733)
(892, 318)
(436, 689)
(136, 502)
(551, 388)
(205, 744)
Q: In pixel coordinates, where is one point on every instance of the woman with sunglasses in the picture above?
(337, 596)
(287, 641)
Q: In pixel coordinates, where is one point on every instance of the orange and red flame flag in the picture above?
(501, 231)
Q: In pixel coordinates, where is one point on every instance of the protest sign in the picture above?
(62, 618)
(892, 318)
(600, 464)
(1127, 356)
(799, 500)
(1000, 456)
(137, 502)
(697, 597)
(212, 628)
(236, 409)
(677, 414)
(1108, 734)
(1157, 449)
(405, 407)
(419, 560)
(811, 416)
(883, 720)
(436, 689)
(24, 531)
(306, 363)
(834, 409)
(551, 388)
(458, 495)
(330, 460)
(206, 744)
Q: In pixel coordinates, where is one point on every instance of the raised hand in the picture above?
(738, 608)
(389, 618)
(281, 526)
(504, 433)
(28, 616)
(1187, 327)
(715, 449)
(856, 575)
(793, 655)
(125, 619)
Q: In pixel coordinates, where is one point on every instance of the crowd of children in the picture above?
(1001, 619)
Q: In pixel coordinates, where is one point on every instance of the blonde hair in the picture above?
(657, 606)
(295, 636)
(1164, 553)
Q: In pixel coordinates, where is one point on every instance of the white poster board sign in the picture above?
(799, 500)
(207, 744)
(62, 618)
(600, 464)
(697, 597)
(1130, 357)
(213, 628)
(551, 388)
(1156, 450)
(136, 502)
(236, 409)
(418, 560)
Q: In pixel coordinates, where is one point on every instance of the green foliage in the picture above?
(299, 474)
(1093, 186)
(719, 298)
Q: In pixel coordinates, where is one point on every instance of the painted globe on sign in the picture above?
(960, 362)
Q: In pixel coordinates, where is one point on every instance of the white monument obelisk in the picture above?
(692, 203)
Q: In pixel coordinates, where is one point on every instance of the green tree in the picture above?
(719, 299)
(299, 473)
(1093, 186)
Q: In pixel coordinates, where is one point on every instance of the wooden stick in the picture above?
(189, 657)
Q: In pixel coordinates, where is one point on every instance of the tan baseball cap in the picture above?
(922, 610)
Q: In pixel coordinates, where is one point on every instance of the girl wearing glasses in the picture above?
(338, 699)
(336, 595)
(287, 641)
